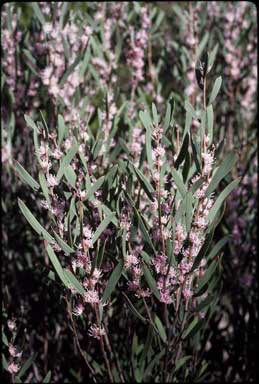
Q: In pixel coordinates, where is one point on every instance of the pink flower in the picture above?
(11, 325)
(165, 297)
(78, 310)
(13, 368)
(52, 181)
(96, 331)
(91, 297)
(130, 260)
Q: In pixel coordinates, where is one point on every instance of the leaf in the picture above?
(67, 160)
(204, 303)
(102, 226)
(183, 151)
(25, 176)
(215, 89)
(195, 155)
(181, 362)
(153, 362)
(61, 129)
(202, 251)
(167, 117)
(225, 167)
(149, 149)
(95, 187)
(202, 45)
(179, 182)
(189, 108)
(208, 274)
(113, 280)
(190, 327)
(70, 175)
(189, 211)
(212, 57)
(26, 366)
(210, 117)
(56, 264)
(224, 194)
(4, 339)
(218, 246)
(146, 120)
(155, 115)
(144, 182)
(30, 123)
(71, 279)
(161, 329)
(133, 309)
(47, 377)
(63, 245)
(151, 281)
(38, 13)
(44, 186)
(34, 222)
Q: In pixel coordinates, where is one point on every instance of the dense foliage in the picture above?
(129, 175)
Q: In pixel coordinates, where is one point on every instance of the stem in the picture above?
(77, 339)
(102, 347)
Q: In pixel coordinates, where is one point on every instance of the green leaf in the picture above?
(146, 120)
(71, 279)
(189, 108)
(204, 303)
(210, 117)
(224, 194)
(30, 123)
(4, 362)
(181, 362)
(144, 182)
(189, 210)
(225, 167)
(102, 226)
(47, 378)
(66, 160)
(113, 280)
(56, 264)
(63, 245)
(215, 89)
(195, 155)
(179, 182)
(212, 57)
(34, 222)
(44, 186)
(167, 117)
(38, 13)
(151, 281)
(208, 274)
(61, 129)
(218, 246)
(26, 366)
(155, 115)
(95, 187)
(25, 176)
(70, 175)
(190, 327)
(161, 329)
(183, 151)
(202, 44)
(202, 251)
(4, 339)
(133, 309)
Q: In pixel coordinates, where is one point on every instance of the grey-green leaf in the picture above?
(34, 222)
(215, 89)
(225, 167)
(113, 280)
(26, 177)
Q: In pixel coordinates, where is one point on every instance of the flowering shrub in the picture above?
(128, 177)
